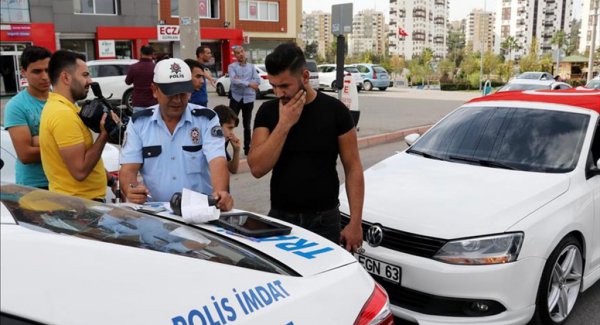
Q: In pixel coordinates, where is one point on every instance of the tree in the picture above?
(456, 47)
(509, 45)
(490, 63)
(559, 40)
(573, 38)
(397, 64)
(311, 50)
(446, 69)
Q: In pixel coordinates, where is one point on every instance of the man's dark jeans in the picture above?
(325, 223)
(246, 109)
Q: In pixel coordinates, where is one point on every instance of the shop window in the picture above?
(207, 9)
(15, 11)
(123, 49)
(83, 46)
(96, 7)
(259, 10)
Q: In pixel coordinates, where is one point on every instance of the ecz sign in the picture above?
(167, 32)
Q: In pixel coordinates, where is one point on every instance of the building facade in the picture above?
(368, 32)
(416, 25)
(316, 28)
(479, 32)
(587, 25)
(528, 19)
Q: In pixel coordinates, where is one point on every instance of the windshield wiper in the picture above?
(424, 154)
(483, 162)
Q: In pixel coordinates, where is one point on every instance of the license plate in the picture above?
(387, 271)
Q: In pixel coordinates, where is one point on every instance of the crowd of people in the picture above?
(175, 141)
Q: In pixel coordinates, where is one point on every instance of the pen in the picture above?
(147, 195)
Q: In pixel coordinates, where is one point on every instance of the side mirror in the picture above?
(411, 138)
(594, 170)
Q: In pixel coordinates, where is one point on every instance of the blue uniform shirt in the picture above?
(171, 163)
(24, 109)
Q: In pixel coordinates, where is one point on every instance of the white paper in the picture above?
(195, 208)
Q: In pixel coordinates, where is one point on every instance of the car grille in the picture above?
(405, 242)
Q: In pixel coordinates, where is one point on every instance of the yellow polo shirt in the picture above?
(61, 127)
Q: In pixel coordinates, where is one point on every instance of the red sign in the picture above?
(167, 32)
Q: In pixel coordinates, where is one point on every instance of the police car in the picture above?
(493, 215)
(66, 260)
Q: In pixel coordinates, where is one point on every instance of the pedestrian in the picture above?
(22, 117)
(140, 75)
(198, 78)
(230, 121)
(243, 88)
(174, 144)
(299, 137)
(71, 158)
(203, 55)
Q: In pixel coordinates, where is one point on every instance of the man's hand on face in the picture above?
(289, 113)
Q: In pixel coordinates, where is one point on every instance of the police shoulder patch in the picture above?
(206, 112)
(216, 131)
(143, 113)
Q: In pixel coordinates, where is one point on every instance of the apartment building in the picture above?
(587, 25)
(368, 32)
(528, 19)
(416, 25)
(479, 32)
(316, 28)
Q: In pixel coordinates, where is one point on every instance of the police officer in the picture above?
(174, 144)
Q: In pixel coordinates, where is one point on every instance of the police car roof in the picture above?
(578, 97)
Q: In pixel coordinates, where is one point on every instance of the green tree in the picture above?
(311, 50)
(573, 38)
(456, 47)
(446, 69)
(530, 61)
(509, 45)
(490, 63)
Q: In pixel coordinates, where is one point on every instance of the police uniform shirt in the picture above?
(171, 163)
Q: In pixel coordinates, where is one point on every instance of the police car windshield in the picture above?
(48, 212)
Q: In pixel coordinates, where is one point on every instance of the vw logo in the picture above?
(375, 235)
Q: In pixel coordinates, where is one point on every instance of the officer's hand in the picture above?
(352, 237)
(289, 113)
(224, 200)
(137, 193)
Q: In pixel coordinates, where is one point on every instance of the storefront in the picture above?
(131, 39)
(13, 40)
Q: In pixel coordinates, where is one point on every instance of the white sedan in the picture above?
(493, 215)
(65, 260)
(328, 76)
(110, 75)
(528, 84)
(223, 83)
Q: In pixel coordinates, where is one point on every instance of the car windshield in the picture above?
(505, 137)
(311, 66)
(48, 212)
(519, 86)
(351, 69)
(530, 75)
(594, 84)
(379, 69)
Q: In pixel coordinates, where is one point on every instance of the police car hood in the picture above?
(60, 279)
(452, 200)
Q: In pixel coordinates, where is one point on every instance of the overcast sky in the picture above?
(459, 9)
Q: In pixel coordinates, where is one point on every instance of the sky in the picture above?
(459, 9)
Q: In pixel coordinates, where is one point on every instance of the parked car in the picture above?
(107, 264)
(594, 83)
(527, 84)
(535, 75)
(374, 76)
(311, 65)
(264, 88)
(328, 76)
(493, 215)
(110, 158)
(110, 75)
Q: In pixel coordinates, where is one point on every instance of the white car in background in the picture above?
(65, 260)
(535, 75)
(224, 83)
(531, 84)
(328, 76)
(110, 75)
(493, 215)
(110, 158)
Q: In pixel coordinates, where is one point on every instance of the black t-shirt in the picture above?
(305, 179)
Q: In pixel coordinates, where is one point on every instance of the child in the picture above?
(229, 121)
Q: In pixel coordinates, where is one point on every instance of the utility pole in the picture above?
(482, 42)
(189, 28)
(593, 45)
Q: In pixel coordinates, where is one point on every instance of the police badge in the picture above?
(216, 131)
(195, 135)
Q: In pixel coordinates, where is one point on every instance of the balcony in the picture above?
(438, 40)
(419, 13)
(401, 13)
(439, 20)
(521, 21)
(548, 23)
(440, 2)
(546, 36)
(419, 36)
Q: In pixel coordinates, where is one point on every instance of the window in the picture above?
(96, 7)
(259, 10)
(207, 9)
(15, 11)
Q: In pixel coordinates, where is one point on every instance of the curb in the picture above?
(364, 142)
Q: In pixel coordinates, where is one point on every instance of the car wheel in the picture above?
(358, 88)
(560, 283)
(220, 90)
(368, 86)
(333, 86)
(127, 100)
(382, 88)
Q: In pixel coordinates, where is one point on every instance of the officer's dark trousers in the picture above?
(325, 223)
(246, 109)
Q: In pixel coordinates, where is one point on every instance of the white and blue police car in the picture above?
(66, 260)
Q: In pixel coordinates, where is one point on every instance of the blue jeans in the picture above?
(325, 223)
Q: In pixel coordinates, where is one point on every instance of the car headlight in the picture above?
(495, 249)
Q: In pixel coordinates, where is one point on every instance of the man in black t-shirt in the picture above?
(298, 137)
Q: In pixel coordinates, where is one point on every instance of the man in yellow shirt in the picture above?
(71, 159)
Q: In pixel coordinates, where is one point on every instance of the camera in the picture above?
(91, 115)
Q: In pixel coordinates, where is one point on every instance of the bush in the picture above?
(576, 82)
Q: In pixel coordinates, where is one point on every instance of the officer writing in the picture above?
(174, 144)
